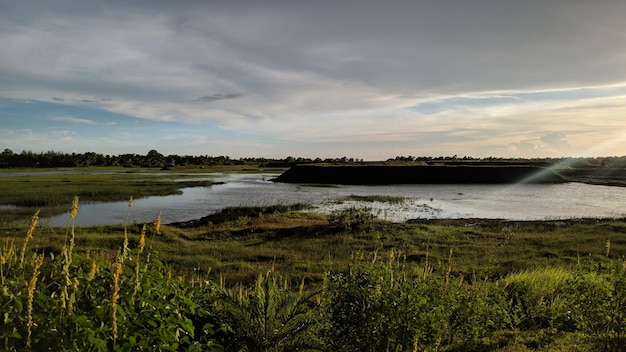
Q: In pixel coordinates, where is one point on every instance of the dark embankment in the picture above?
(383, 175)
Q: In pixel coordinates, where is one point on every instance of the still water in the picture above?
(513, 202)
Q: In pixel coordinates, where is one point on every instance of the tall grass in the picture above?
(386, 296)
(69, 303)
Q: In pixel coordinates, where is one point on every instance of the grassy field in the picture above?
(305, 245)
(279, 279)
(451, 285)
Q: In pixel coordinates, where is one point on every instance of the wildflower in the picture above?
(157, 225)
(67, 298)
(32, 285)
(29, 235)
(117, 271)
(7, 251)
(142, 239)
(125, 249)
(93, 270)
(74, 208)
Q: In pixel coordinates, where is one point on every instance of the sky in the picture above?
(363, 79)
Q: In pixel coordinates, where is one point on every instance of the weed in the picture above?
(352, 219)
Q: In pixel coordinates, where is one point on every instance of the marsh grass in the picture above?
(52, 192)
(462, 285)
(377, 198)
(302, 244)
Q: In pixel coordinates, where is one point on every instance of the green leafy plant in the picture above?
(374, 308)
(537, 298)
(598, 303)
(270, 317)
(72, 302)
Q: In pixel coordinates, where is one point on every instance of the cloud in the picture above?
(215, 97)
(284, 50)
(556, 140)
(422, 72)
(76, 120)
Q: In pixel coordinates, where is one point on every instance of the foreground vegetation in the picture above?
(276, 279)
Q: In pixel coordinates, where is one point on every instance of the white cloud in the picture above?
(70, 119)
(495, 75)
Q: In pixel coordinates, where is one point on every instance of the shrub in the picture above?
(369, 309)
(478, 310)
(352, 219)
(598, 302)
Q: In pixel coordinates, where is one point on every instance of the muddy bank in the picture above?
(385, 175)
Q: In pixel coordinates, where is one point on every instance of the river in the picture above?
(513, 202)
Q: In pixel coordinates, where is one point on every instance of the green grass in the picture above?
(484, 285)
(38, 191)
(52, 192)
(241, 242)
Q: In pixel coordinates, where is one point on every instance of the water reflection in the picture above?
(516, 202)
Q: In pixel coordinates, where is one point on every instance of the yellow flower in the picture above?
(142, 239)
(37, 262)
(157, 225)
(93, 270)
(117, 271)
(74, 209)
(29, 236)
(33, 224)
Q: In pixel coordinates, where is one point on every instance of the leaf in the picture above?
(208, 329)
(81, 320)
(98, 343)
(217, 348)
(121, 312)
(18, 306)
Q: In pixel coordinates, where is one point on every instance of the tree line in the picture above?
(52, 159)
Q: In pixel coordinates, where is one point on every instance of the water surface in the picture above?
(513, 202)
